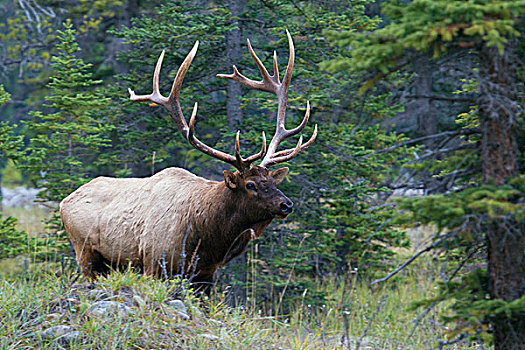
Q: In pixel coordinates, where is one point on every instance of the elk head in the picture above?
(254, 183)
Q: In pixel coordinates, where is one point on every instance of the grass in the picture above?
(376, 318)
(36, 297)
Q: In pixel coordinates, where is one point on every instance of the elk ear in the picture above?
(279, 174)
(230, 179)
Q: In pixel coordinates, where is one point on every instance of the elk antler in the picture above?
(172, 105)
(271, 83)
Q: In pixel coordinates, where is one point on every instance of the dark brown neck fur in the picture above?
(222, 223)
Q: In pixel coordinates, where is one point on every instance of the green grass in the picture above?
(37, 296)
(38, 300)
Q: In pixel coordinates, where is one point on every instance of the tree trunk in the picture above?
(234, 114)
(233, 57)
(499, 152)
(1, 196)
(423, 107)
(342, 249)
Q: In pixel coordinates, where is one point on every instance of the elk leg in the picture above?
(239, 245)
(85, 258)
(90, 261)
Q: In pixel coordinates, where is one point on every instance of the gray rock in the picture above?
(72, 337)
(178, 314)
(138, 301)
(209, 336)
(62, 334)
(56, 331)
(178, 305)
(109, 309)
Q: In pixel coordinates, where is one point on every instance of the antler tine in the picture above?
(245, 163)
(301, 126)
(238, 157)
(261, 154)
(172, 105)
(275, 68)
(272, 84)
(280, 131)
(155, 96)
(268, 83)
(286, 157)
(303, 147)
(291, 60)
(236, 161)
(266, 77)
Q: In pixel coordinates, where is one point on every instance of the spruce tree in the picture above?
(67, 138)
(484, 210)
(13, 241)
(10, 143)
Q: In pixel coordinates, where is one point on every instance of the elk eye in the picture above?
(251, 186)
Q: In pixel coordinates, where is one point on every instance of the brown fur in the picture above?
(148, 221)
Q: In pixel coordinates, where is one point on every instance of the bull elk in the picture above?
(174, 218)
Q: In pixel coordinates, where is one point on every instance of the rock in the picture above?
(138, 301)
(178, 314)
(56, 331)
(72, 337)
(178, 305)
(62, 334)
(209, 336)
(109, 308)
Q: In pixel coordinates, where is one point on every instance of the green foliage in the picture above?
(11, 176)
(469, 213)
(141, 131)
(13, 242)
(4, 95)
(10, 144)
(10, 147)
(472, 309)
(424, 25)
(65, 144)
(454, 210)
(340, 224)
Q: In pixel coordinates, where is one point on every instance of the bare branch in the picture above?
(423, 138)
(415, 256)
(442, 98)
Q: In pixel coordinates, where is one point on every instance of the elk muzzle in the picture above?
(285, 207)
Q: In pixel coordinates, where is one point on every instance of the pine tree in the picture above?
(10, 144)
(13, 241)
(483, 215)
(67, 140)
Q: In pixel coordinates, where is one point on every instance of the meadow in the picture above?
(48, 305)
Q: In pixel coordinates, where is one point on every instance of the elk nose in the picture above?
(286, 206)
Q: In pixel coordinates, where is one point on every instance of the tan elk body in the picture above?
(175, 222)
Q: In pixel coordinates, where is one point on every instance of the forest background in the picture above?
(419, 107)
